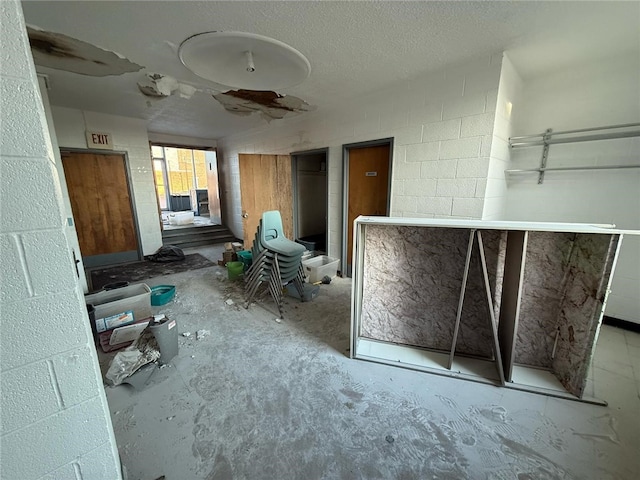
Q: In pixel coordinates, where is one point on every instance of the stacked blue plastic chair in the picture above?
(277, 261)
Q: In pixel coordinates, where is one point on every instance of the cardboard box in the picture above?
(114, 321)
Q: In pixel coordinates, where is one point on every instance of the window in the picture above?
(178, 171)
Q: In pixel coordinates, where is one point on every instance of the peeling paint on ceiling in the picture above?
(270, 105)
(61, 52)
(157, 85)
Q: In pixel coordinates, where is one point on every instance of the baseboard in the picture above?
(625, 324)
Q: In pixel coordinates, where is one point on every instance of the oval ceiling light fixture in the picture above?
(243, 60)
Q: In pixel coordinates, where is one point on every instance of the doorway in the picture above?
(102, 206)
(367, 183)
(310, 199)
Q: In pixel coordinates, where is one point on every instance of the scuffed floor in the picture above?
(258, 399)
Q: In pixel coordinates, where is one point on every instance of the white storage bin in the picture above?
(181, 218)
(318, 267)
(136, 297)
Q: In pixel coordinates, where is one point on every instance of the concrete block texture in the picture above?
(476, 125)
(30, 187)
(467, 207)
(447, 130)
(422, 152)
(461, 148)
(21, 118)
(456, 187)
(41, 447)
(13, 283)
(76, 375)
(28, 395)
(464, 106)
(14, 45)
(49, 261)
(36, 328)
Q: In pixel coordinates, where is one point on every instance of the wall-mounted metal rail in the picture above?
(549, 137)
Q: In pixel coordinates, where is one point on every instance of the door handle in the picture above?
(245, 215)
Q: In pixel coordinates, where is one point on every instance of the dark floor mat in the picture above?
(139, 271)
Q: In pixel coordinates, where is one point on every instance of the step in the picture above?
(197, 236)
(191, 230)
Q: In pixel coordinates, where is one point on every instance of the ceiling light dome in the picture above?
(244, 60)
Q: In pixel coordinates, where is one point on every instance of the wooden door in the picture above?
(368, 189)
(101, 204)
(265, 184)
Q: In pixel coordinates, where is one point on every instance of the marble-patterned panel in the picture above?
(545, 276)
(475, 336)
(582, 307)
(411, 284)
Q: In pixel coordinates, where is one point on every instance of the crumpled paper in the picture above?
(141, 352)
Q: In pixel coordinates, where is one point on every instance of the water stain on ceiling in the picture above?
(270, 105)
(59, 51)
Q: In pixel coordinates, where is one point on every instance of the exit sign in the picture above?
(99, 140)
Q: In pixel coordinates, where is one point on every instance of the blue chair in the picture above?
(277, 261)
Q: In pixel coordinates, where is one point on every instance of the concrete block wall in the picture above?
(508, 101)
(442, 125)
(54, 418)
(599, 93)
(130, 136)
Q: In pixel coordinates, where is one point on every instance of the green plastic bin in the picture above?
(234, 270)
(246, 257)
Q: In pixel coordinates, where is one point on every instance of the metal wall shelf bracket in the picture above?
(549, 138)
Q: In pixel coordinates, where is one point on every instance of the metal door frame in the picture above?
(345, 270)
(132, 201)
(294, 188)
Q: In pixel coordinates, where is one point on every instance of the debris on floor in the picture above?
(186, 334)
(228, 301)
(200, 334)
(143, 351)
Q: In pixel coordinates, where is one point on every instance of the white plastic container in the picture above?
(181, 218)
(318, 267)
(136, 297)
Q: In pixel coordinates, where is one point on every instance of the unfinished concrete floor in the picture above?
(258, 399)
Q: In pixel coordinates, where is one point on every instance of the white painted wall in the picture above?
(509, 93)
(442, 126)
(70, 226)
(54, 419)
(605, 92)
(129, 135)
(192, 142)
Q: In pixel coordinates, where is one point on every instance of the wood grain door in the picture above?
(102, 210)
(265, 184)
(368, 187)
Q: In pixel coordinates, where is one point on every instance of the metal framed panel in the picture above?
(501, 370)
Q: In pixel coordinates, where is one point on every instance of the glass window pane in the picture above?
(179, 170)
(161, 190)
(156, 151)
(199, 159)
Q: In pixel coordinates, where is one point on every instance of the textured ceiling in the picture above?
(354, 48)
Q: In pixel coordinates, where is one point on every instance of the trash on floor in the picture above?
(228, 301)
(157, 343)
(310, 292)
(200, 334)
(143, 351)
(186, 334)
